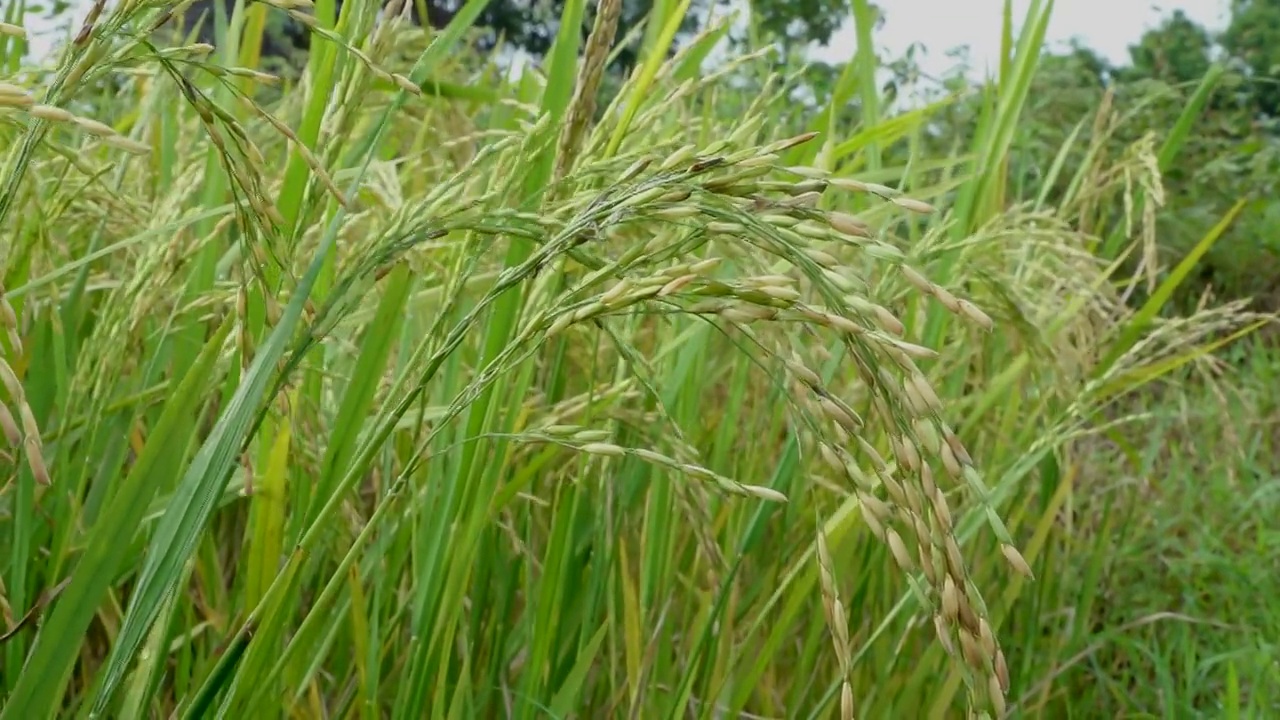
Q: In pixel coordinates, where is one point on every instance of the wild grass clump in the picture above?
(352, 403)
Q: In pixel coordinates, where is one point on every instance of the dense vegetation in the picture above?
(656, 388)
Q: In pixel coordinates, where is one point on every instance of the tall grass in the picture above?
(364, 401)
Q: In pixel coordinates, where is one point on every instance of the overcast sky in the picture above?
(1107, 26)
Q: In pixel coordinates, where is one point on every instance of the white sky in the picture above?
(1107, 26)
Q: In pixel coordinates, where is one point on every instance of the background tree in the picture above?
(1253, 38)
(530, 26)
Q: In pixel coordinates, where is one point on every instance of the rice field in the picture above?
(401, 388)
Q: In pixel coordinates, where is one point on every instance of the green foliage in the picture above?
(1225, 151)
(1253, 36)
(1175, 52)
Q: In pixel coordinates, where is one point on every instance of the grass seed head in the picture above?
(941, 512)
(914, 351)
(876, 506)
(950, 600)
(958, 448)
(832, 457)
(788, 143)
(987, 637)
(974, 313)
(809, 172)
(745, 314)
(918, 281)
(950, 463)
(877, 461)
(955, 561)
(603, 448)
(35, 460)
(802, 371)
(51, 113)
(654, 457)
(843, 415)
(926, 391)
(894, 488)
(928, 435)
(949, 301)
(846, 701)
(849, 225)
(9, 427)
(998, 703)
(908, 455)
(972, 651)
(21, 102)
(765, 493)
(1015, 559)
(807, 199)
(676, 285)
(841, 323)
(916, 206)
(887, 321)
(899, 550)
(1002, 670)
(824, 259)
(916, 503)
(560, 324)
(872, 521)
(943, 631)
(928, 564)
(914, 399)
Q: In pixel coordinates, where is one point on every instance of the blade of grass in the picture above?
(39, 688)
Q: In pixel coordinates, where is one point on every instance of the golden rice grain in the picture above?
(941, 512)
(17, 101)
(916, 206)
(914, 399)
(950, 600)
(948, 300)
(1002, 670)
(894, 488)
(908, 455)
(765, 493)
(676, 285)
(974, 313)
(949, 462)
(788, 143)
(926, 391)
(875, 506)
(887, 321)
(1019, 563)
(841, 413)
(653, 457)
(121, 142)
(809, 172)
(802, 371)
(872, 522)
(944, 634)
(50, 113)
(972, 651)
(603, 448)
(997, 697)
(831, 457)
(918, 281)
(899, 550)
